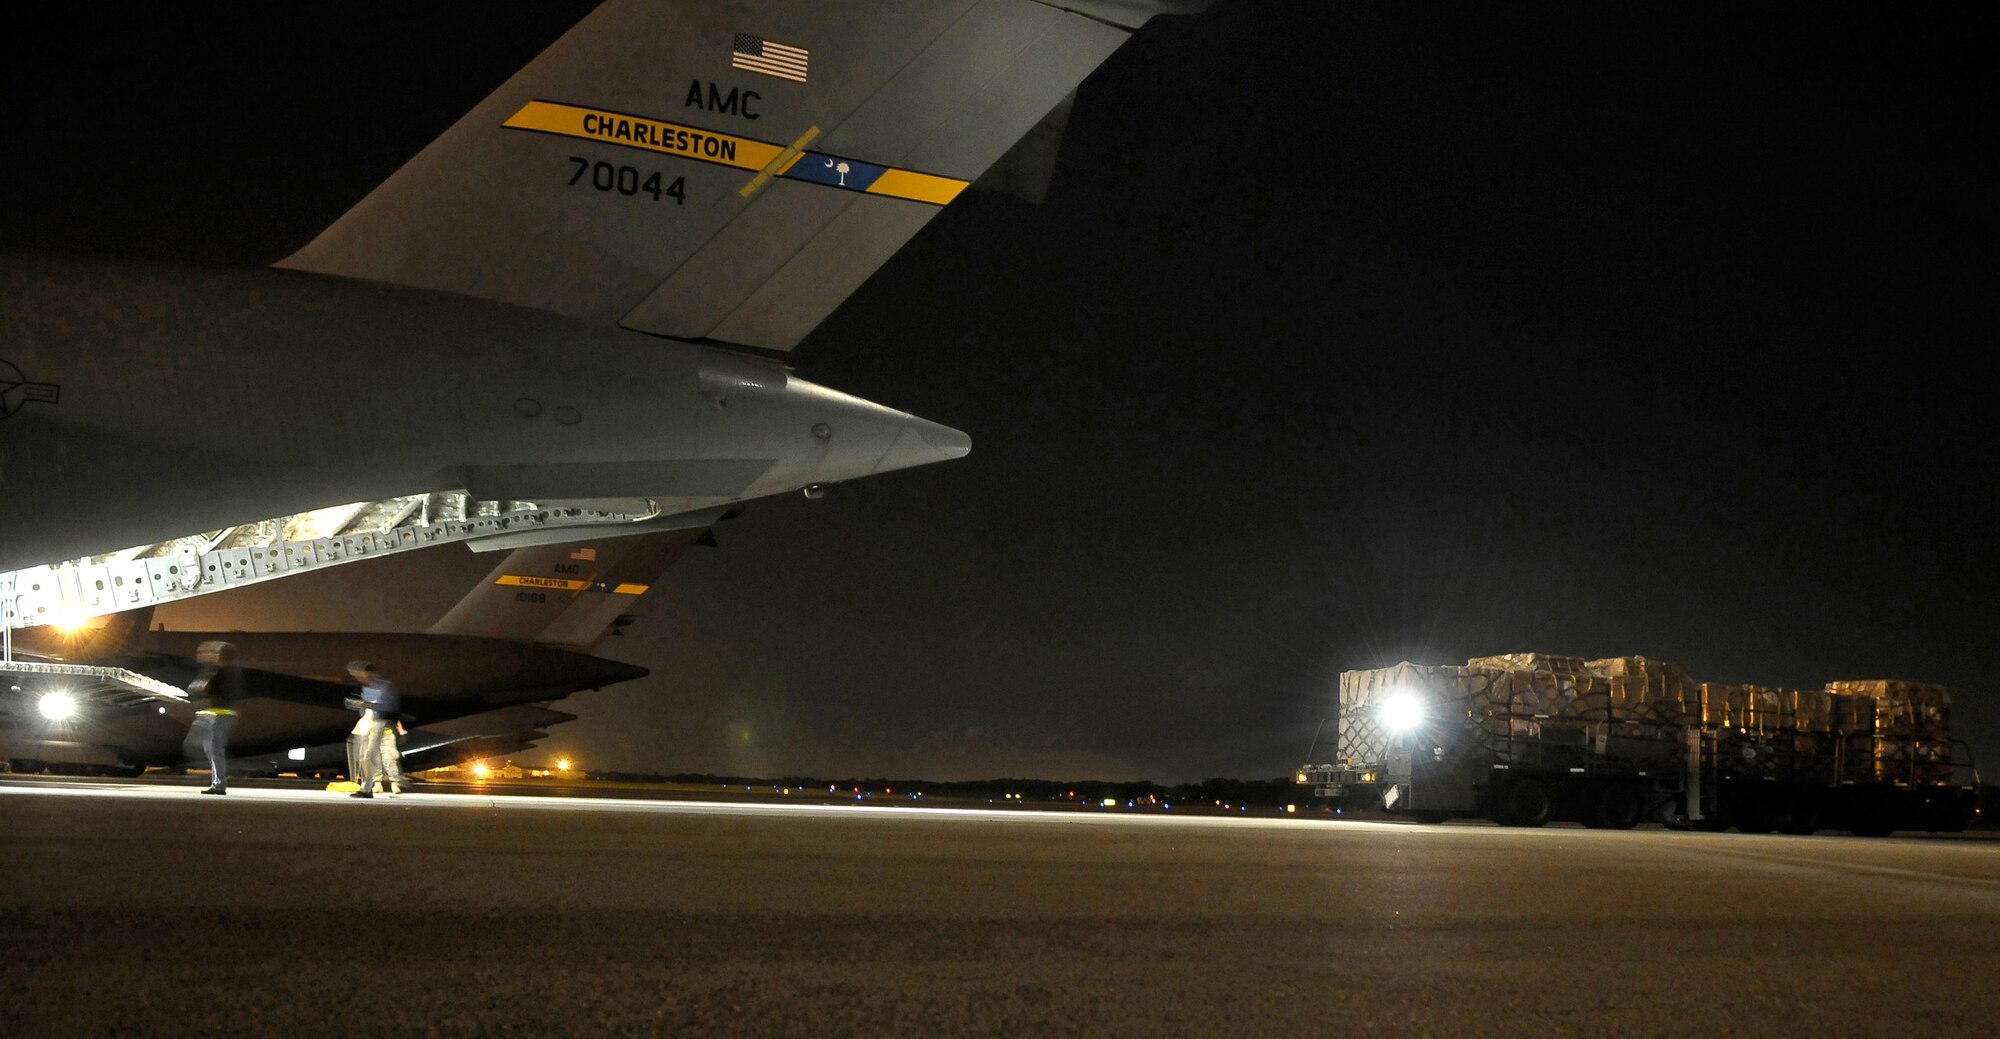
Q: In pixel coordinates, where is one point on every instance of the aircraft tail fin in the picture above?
(122, 633)
(729, 172)
(569, 595)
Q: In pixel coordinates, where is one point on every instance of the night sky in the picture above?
(1351, 333)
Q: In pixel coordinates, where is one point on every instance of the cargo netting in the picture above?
(1542, 710)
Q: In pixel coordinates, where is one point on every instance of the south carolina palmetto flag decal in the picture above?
(757, 54)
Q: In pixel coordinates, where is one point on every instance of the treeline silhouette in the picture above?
(1250, 792)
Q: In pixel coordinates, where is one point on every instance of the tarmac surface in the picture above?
(148, 909)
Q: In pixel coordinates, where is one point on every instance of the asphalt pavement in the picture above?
(134, 909)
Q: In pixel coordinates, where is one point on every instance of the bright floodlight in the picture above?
(562, 764)
(1400, 712)
(57, 706)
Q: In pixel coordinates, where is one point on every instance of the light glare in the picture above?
(1400, 712)
(57, 706)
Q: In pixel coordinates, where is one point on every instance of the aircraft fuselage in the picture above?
(157, 401)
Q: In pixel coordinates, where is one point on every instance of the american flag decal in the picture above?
(757, 54)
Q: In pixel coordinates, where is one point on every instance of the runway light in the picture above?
(1291, 809)
(57, 706)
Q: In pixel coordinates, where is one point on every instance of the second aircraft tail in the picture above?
(569, 595)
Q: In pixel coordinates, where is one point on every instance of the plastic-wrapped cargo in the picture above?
(1814, 759)
(1660, 690)
(1851, 717)
(1852, 714)
(1812, 709)
(1748, 708)
(1748, 754)
(1772, 732)
(1910, 728)
(1502, 732)
(1613, 689)
(1522, 686)
(1908, 761)
(1362, 737)
(1918, 709)
(1550, 662)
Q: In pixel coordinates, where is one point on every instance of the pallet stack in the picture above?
(1849, 732)
(1909, 726)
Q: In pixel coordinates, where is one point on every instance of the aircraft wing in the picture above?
(728, 172)
(503, 731)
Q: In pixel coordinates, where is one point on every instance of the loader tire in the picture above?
(1713, 824)
(1526, 803)
(1797, 817)
(1611, 806)
(1753, 819)
(1872, 820)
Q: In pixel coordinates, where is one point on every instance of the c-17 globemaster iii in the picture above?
(566, 315)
